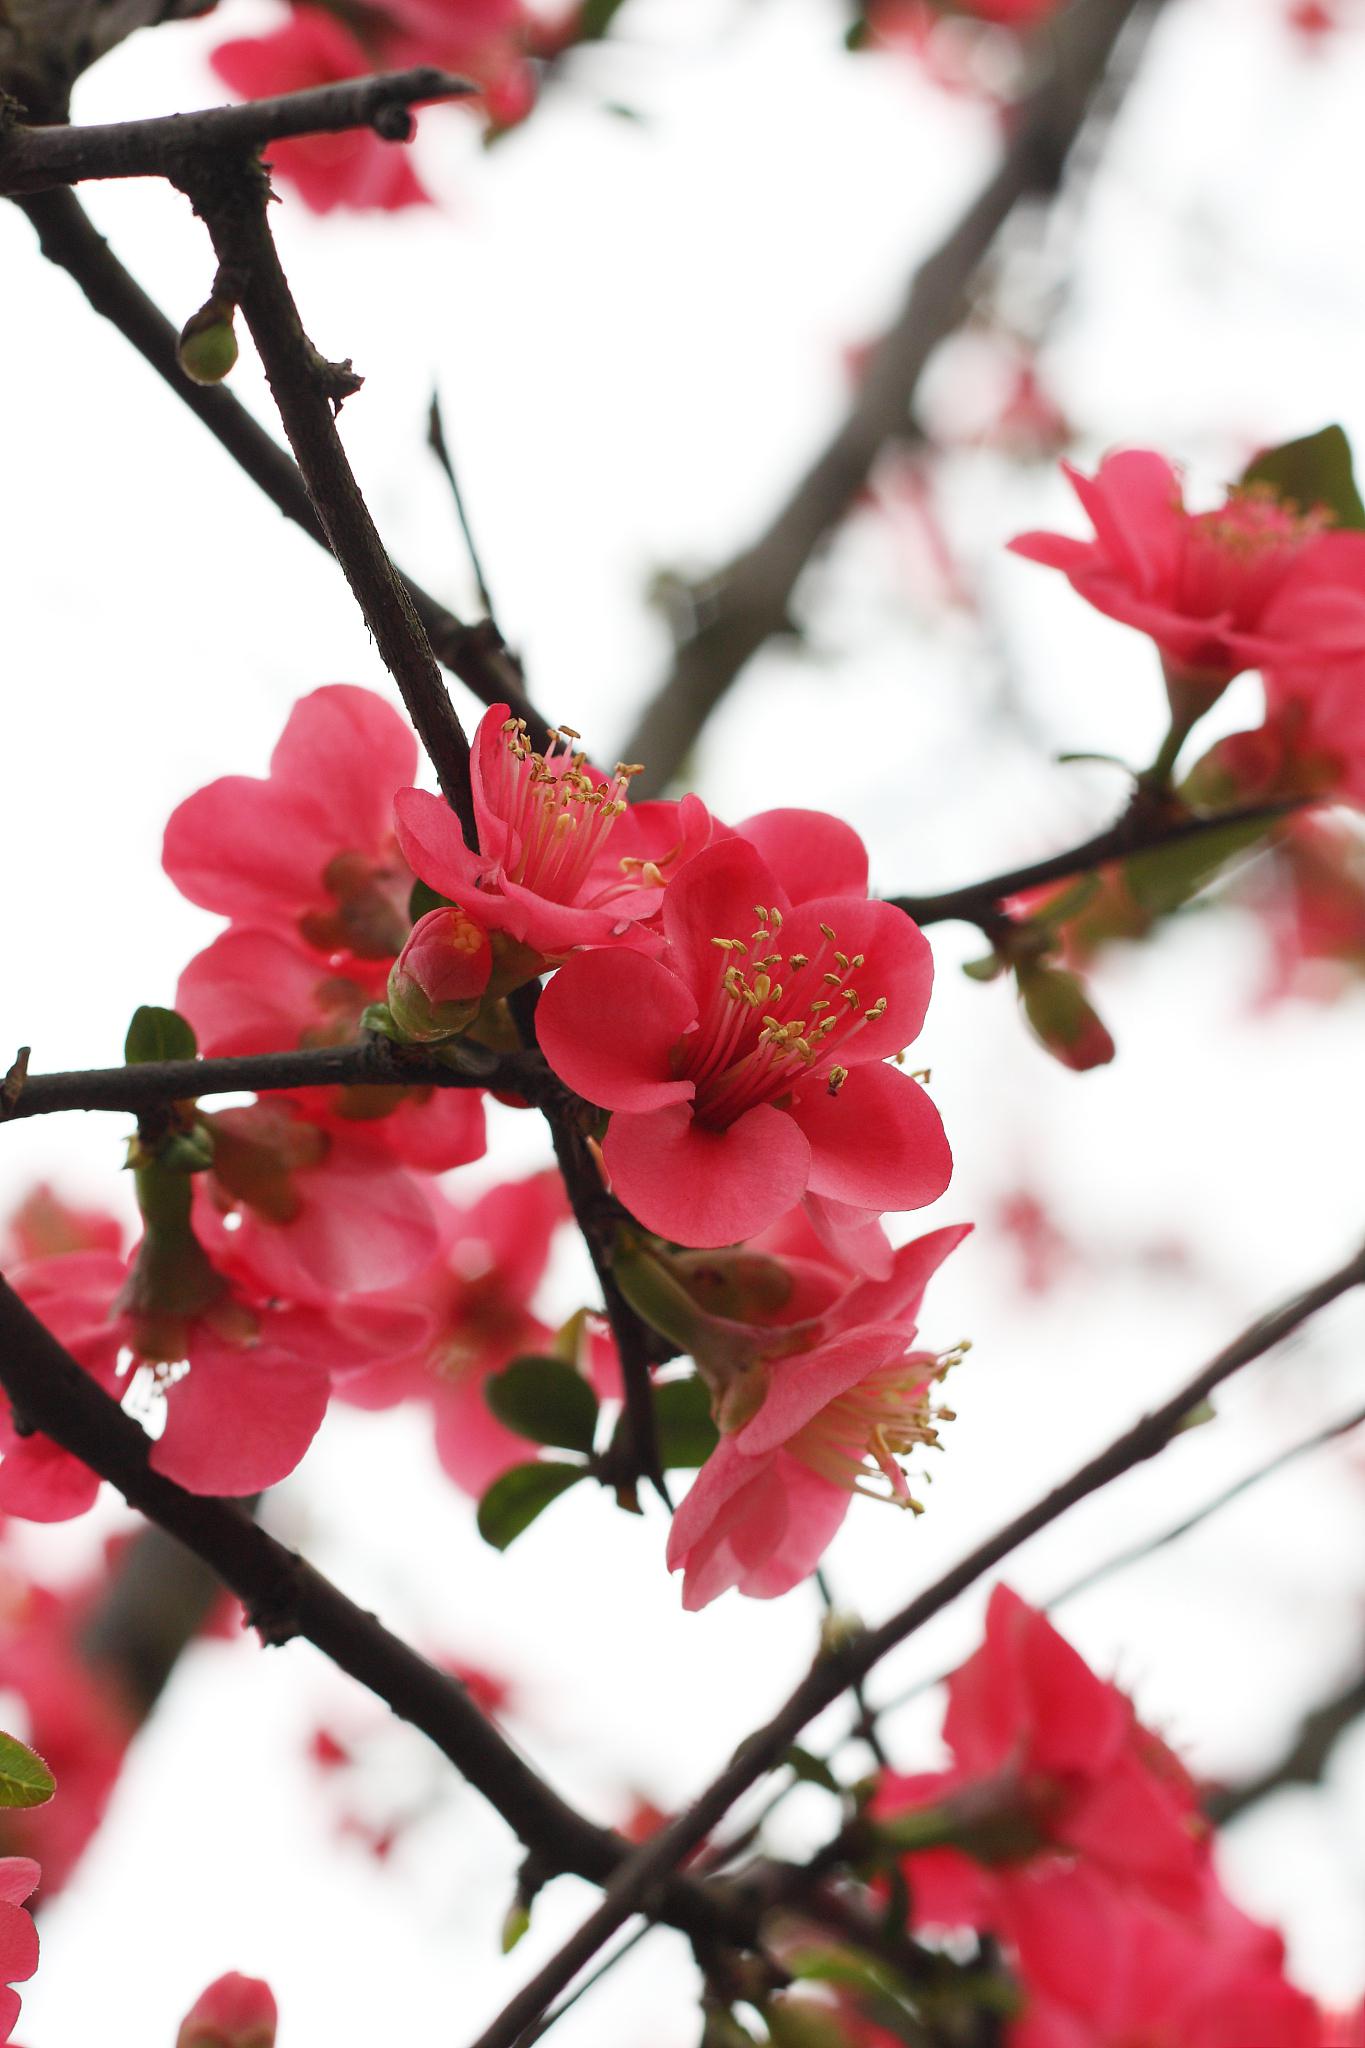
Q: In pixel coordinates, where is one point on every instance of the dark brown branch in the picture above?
(1142, 829)
(286, 1598)
(1306, 1759)
(630, 1890)
(474, 653)
(750, 600)
(373, 1063)
(231, 197)
(35, 159)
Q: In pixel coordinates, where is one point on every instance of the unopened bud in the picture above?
(208, 342)
(438, 980)
(1062, 1019)
(235, 2012)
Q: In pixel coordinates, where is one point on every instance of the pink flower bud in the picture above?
(235, 2012)
(1062, 1019)
(439, 977)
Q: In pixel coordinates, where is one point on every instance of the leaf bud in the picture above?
(208, 342)
(437, 982)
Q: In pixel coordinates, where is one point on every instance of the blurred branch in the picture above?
(1305, 1760)
(286, 1598)
(45, 45)
(35, 159)
(839, 1668)
(749, 601)
(68, 238)
(230, 193)
(1144, 826)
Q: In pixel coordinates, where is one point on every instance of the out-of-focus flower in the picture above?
(235, 2012)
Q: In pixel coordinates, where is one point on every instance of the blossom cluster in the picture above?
(1072, 1838)
(730, 1005)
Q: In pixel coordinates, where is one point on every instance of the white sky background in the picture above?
(637, 333)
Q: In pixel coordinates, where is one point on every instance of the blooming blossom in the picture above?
(563, 861)
(745, 1066)
(477, 1295)
(770, 1498)
(1255, 583)
(1049, 1760)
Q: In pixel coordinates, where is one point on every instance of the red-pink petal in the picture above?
(18, 1940)
(897, 1298)
(800, 1387)
(251, 991)
(250, 849)
(810, 852)
(608, 1023)
(429, 835)
(19, 1877)
(354, 749)
(878, 1144)
(898, 965)
(702, 1187)
(715, 896)
(240, 1420)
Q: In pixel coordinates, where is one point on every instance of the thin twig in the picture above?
(67, 237)
(1304, 1762)
(36, 159)
(749, 601)
(286, 1598)
(1143, 828)
(231, 196)
(440, 448)
(632, 1886)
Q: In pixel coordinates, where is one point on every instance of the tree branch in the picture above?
(1304, 1762)
(629, 1891)
(475, 653)
(286, 1598)
(1143, 828)
(35, 159)
(749, 601)
(230, 195)
(375, 1062)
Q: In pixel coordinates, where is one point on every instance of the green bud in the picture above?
(208, 342)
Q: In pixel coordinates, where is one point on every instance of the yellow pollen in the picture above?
(829, 932)
(837, 1078)
(798, 961)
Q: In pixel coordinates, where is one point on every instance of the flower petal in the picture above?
(810, 852)
(702, 1187)
(878, 1144)
(608, 1023)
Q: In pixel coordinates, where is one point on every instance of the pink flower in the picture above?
(1315, 718)
(834, 1422)
(1102, 1968)
(308, 850)
(76, 1717)
(260, 991)
(18, 1936)
(356, 168)
(235, 2012)
(478, 1296)
(1252, 584)
(1048, 1759)
(562, 861)
(44, 1224)
(745, 1067)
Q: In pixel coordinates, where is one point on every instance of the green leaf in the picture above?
(1168, 876)
(810, 1770)
(595, 17)
(423, 899)
(156, 1034)
(512, 1503)
(546, 1400)
(682, 1418)
(1314, 471)
(25, 1779)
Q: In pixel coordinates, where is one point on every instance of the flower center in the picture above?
(858, 1439)
(560, 809)
(759, 1036)
(1236, 558)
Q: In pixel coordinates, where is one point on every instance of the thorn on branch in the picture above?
(12, 1087)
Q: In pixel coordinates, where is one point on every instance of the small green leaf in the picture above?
(423, 899)
(1166, 877)
(682, 1416)
(1314, 471)
(25, 1779)
(595, 17)
(512, 1503)
(156, 1034)
(545, 1400)
(810, 1770)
